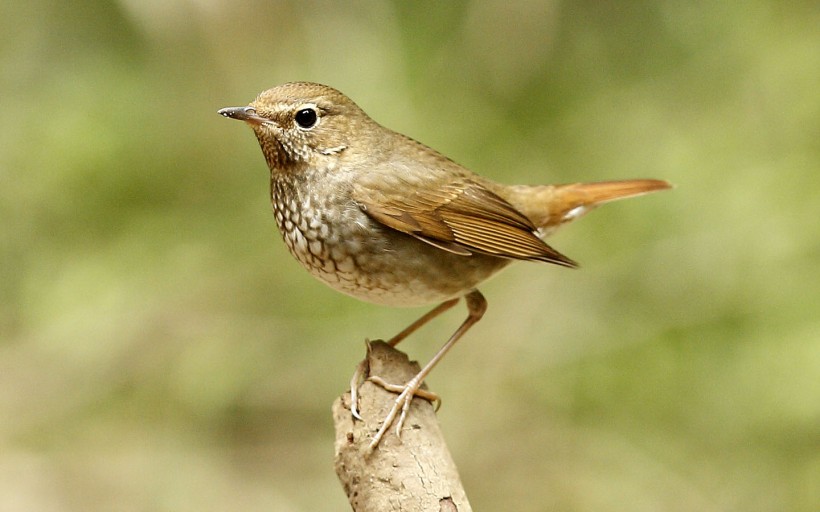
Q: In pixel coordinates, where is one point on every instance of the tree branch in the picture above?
(413, 474)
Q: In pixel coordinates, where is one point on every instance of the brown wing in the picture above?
(464, 218)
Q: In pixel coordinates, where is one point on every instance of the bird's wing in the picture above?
(462, 217)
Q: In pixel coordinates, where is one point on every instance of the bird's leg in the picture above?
(361, 368)
(410, 329)
(476, 306)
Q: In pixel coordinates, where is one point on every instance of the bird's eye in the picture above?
(306, 118)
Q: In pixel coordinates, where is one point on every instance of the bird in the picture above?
(383, 218)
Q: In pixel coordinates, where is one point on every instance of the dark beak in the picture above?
(247, 114)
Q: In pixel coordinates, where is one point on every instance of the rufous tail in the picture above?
(549, 206)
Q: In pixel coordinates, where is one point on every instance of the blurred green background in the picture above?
(161, 351)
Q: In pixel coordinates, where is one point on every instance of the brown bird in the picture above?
(383, 218)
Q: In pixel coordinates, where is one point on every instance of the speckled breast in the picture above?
(344, 248)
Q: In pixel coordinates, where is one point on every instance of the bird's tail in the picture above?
(549, 206)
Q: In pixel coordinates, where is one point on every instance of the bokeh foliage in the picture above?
(160, 350)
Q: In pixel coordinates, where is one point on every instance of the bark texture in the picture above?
(413, 474)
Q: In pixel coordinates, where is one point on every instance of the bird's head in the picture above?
(300, 124)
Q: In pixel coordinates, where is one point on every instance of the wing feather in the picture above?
(464, 218)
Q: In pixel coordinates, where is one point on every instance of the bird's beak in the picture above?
(247, 114)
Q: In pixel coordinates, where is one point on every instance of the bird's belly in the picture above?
(377, 264)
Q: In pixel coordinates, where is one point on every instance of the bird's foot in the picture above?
(401, 405)
(396, 388)
(359, 376)
(356, 380)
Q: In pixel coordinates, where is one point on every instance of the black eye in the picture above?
(306, 118)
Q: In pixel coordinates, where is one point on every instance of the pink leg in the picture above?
(476, 306)
(361, 369)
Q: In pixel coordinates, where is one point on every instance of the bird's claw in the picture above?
(400, 406)
(355, 381)
(431, 397)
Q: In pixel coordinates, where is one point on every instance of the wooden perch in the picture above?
(413, 474)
